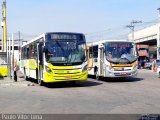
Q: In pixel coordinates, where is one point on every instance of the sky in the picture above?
(91, 17)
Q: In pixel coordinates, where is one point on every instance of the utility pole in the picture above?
(3, 53)
(158, 35)
(4, 26)
(132, 27)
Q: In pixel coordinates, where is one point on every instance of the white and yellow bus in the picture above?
(112, 58)
(55, 57)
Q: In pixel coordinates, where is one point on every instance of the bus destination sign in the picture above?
(65, 36)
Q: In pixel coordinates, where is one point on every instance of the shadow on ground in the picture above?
(127, 79)
(69, 84)
(1, 78)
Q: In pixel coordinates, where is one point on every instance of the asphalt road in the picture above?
(108, 96)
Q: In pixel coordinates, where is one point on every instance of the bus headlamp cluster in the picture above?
(135, 66)
(84, 68)
(109, 67)
(48, 69)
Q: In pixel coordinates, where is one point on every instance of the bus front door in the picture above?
(101, 61)
(40, 63)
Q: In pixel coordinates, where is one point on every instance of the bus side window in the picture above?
(35, 50)
(31, 51)
(93, 51)
(22, 53)
(25, 52)
(28, 56)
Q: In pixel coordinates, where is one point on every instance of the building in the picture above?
(148, 36)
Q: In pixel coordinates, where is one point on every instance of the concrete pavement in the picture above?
(7, 81)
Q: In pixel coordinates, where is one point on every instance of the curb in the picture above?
(15, 84)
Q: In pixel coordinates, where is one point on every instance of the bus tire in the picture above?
(25, 76)
(40, 82)
(159, 74)
(36, 74)
(96, 73)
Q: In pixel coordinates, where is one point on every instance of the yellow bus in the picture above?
(112, 58)
(55, 57)
(3, 64)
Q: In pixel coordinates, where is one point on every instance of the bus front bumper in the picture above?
(82, 76)
(132, 73)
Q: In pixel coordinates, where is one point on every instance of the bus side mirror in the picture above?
(101, 46)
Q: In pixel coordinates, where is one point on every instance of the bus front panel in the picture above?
(65, 73)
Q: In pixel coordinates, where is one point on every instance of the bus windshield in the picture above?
(120, 52)
(68, 52)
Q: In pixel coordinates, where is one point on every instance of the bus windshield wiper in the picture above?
(59, 45)
(129, 57)
(61, 48)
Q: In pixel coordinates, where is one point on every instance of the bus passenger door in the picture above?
(40, 64)
(40, 53)
(101, 62)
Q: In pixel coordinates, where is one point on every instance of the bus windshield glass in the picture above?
(65, 52)
(120, 52)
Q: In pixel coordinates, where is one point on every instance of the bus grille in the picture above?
(76, 71)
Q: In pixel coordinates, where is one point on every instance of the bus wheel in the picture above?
(25, 76)
(97, 75)
(159, 75)
(40, 82)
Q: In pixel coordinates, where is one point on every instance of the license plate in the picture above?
(118, 68)
(123, 73)
(68, 77)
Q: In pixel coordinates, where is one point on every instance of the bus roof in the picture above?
(103, 41)
(36, 38)
(42, 35)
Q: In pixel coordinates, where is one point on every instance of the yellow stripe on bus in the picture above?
(124, 65)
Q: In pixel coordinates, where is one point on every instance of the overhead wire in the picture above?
(119, 32)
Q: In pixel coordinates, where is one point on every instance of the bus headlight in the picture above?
(109, 67)
(135, 66)
(84, 68)
(48, 69)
